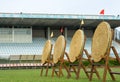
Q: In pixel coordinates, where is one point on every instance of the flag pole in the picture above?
(61, 30)
(82, 23)
(51, 37)
(102, 13)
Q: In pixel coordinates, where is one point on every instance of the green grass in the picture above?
(33, 75)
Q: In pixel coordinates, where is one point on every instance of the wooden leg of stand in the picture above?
(104, 74)
(105, 69)
(79, 67)
(96, 72)
(112, 76)
(91, 73)
(47, 69)
(53, 70)
(74, 71)
(78, 73)
(41, 71)
(85, 70)
(116, 54)
(60, 71)
(62, 74)
(68, 72)
(56, 72)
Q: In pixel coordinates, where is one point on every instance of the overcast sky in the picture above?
(89, 7)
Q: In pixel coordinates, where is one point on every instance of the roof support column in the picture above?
(66, 33)
(48, 33)
(13, 34)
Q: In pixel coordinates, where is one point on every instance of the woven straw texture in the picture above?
(46, 51)
(59, 48)
(101, 41)
(76, 45)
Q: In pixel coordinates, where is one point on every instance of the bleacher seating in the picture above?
(34, 48)
(22, 61)
(16, 52)
(14, 58)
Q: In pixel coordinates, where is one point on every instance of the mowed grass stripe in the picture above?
(33, 75)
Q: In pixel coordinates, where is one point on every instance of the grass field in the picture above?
(33, 75)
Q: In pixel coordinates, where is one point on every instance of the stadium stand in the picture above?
(23, 48)
(35, 47)
(22, 61)
(37, 28)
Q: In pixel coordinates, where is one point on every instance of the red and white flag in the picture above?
(61, 30)
(102, 12)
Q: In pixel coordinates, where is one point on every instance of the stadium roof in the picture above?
(56, 20)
